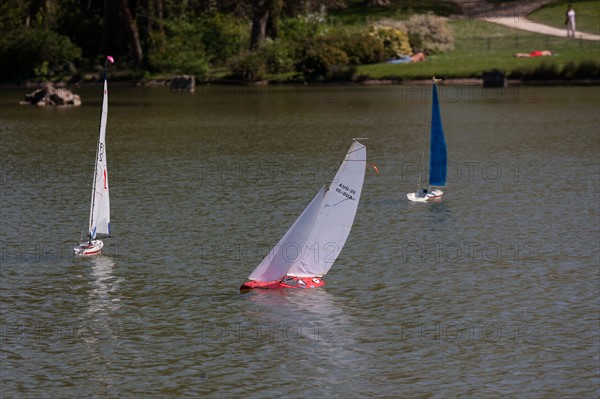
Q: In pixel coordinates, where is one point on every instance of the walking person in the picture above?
(570, 21)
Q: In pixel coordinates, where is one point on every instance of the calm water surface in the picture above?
(494, 292)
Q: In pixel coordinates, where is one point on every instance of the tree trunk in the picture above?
(260, 17)
(132, 32)
(145, 23)
(276, 8)
(158, 15)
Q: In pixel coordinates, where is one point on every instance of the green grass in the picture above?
(481, 46)
(357, 13)
(587, 15)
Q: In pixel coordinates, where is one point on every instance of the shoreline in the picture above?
(366, 82)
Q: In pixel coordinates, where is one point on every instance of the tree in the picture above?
(266, 15)
(260, 17)
(133, 35)
(13, 14)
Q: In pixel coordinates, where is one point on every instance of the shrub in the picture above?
(26, 53)
(321, 60)
(428, 32)
(362, 48)
(277, 55)
(582, 70)
(549, 71)
(249, 66)
(272, 57)
(395, 42)
(333, 56)
(546, 71)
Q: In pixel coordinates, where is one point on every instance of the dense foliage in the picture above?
(42, 53)
(395, 41)
(246, 40)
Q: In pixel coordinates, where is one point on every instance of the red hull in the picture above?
(286, 282)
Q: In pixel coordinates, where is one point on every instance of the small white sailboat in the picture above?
(99, 222)
(308, 249)
(438, 158)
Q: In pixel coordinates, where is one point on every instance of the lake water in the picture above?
(493, 292)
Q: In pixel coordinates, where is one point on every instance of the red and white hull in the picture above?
(286, 282)
(93, 247)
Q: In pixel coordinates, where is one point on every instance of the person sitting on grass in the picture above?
(419, 56)
(537, 53)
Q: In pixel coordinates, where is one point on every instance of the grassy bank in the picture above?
(481, 46)
(587, 15)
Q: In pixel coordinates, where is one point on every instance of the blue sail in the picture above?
(438, 160)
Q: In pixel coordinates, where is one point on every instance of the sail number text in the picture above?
(345, 191)
(100, 151)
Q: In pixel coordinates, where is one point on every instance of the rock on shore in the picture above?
(183, 83)
(50, 95)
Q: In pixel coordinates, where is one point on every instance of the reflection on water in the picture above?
(314, 311)
(316, 323)
(103, 298)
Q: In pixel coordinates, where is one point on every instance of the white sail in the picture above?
(313, 243)
(335, 218)
(276, 264)
(100, 203)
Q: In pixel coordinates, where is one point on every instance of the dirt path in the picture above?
(514, 15)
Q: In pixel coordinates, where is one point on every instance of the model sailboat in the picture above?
(99, 222)
(438, 159)
(308, 249)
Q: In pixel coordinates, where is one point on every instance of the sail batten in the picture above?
(438, 162)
